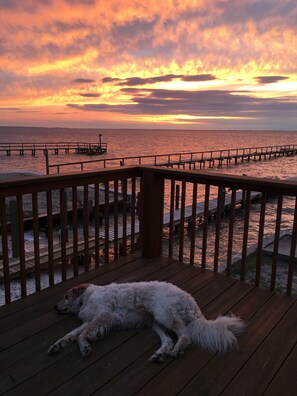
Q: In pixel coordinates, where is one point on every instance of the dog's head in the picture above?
(72, 300)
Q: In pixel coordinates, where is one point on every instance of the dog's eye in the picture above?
(66, 297)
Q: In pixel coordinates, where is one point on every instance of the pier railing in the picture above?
(52, 147)
(191, 160)
(55, 227)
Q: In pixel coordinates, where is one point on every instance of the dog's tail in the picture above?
(217, 335)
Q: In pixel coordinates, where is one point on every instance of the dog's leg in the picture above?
(183, 341)
(183, 337)
(166, 344)
(85, 334)
(66, 340)
(94, 330)
(89, 334)
(171, 321)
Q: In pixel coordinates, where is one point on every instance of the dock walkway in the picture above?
(263, 364)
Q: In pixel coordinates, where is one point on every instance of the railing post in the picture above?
(14, 224)
(46, 161)
(152, 213)
(177, 196)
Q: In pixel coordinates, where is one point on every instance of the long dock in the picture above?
(56, 148)
(229, 158)
(185, 160)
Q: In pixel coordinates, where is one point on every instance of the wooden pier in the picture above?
(223, 158)
(53, 148)
(92, 149)
(185, 160)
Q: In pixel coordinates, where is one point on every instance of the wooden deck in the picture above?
(264, 363)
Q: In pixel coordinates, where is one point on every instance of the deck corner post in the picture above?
(152, 213)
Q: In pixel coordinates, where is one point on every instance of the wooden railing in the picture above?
(55, 227)
(202, 158)
(278, 199)
(81, 218)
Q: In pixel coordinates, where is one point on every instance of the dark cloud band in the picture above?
(203, 103)
(270, 79)
(139, 81)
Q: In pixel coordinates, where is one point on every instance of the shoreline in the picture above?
(17, 174)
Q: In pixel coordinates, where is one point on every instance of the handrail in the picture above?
(285, 187)
(34, 184)
(43, 145)
(100, 215)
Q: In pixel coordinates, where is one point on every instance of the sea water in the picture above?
(137, 142)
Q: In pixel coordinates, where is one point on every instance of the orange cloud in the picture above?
(46, 45)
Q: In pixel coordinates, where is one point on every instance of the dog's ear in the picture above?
(78, 290)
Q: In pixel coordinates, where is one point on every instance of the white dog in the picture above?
(166, 308)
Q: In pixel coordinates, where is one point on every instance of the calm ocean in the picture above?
(148, 142)
(134, 142)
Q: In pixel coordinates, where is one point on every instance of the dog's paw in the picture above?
(85, 351)
(156, 358)
(54, 349)
(176, 353)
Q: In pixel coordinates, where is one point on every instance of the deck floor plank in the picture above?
(285, 381)
(266, 361)
(216, 376)
(119, 363)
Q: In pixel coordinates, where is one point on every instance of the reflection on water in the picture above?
(146, 142)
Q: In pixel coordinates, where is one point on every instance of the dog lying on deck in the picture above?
(161, 305)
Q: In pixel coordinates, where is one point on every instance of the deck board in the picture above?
(268, 358)
(216, 376)
(264, 361)
(285, 378)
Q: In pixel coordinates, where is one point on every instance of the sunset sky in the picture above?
(204, 64)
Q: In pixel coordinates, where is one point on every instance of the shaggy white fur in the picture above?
(161, 305)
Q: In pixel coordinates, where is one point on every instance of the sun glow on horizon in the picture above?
(149, 63)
